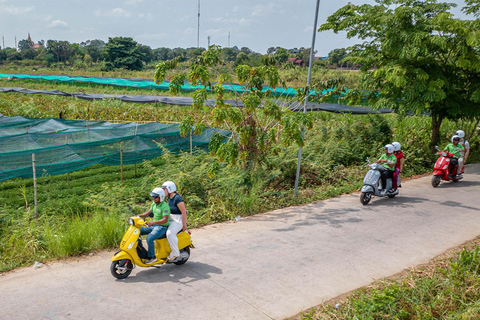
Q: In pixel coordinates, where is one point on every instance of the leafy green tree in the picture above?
(194, 53)
(336, 56)
(60, 49)
(123, 52)
(258, 128)
(147, 53)
(229, 54)
(242, 58)
(163, 54)
(420, 57)
(94, 48)
(281, 55)
(24, 45)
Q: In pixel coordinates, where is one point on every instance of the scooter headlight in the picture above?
(131, 221)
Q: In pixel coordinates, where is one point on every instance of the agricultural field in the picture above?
(86, 210)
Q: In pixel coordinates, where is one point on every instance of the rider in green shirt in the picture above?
(388, 160)
(455, 148)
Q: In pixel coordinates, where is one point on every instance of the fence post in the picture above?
(191, 143)
(34, 184)
(68, 174)
(121, 162)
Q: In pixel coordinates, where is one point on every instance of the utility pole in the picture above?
(307, 93)
(3, 42)
(198, 27)
(229, 39)
(15, 42)
(208, 41)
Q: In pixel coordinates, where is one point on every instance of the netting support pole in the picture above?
(34, 185)
(121, 162)
(191, 143)
(135, 170)
(68, 174)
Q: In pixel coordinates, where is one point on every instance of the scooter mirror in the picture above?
(436, 148)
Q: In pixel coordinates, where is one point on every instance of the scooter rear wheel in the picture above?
(121, 269)
(436, 180)
(180, 262)
(365, 197)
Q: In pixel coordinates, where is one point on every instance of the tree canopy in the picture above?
(420, 57)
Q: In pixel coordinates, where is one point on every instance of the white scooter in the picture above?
(372, 184)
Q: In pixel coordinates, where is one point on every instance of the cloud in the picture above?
(114, 13)
(133, 2)
(58, 24)
(189, 32)
(149, 16)
(232, 21)
(152, 36)
(13, 10)
(308, 29)
(217, 32)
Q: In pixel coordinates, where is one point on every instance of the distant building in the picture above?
(296, 61)
(33, 45)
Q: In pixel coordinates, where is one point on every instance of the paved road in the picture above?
(269, 266)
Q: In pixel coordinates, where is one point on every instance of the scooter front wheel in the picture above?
(121, 269)
(436, 180)
(365, 197)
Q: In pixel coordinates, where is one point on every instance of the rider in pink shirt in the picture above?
(398, 165)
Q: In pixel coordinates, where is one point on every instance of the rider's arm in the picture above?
(146, 214)
(467, 152)
(159, 222)
(401, 164)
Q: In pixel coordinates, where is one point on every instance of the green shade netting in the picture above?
(62, 146)
(140, 83)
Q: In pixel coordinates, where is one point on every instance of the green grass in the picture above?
(448, 288)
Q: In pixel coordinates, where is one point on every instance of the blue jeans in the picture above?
(154, 232)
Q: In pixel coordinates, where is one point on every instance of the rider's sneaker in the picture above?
(150, 261)
(172, 258)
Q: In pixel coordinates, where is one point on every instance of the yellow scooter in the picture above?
(133, 253)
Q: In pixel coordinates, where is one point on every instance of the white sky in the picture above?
(257, 25)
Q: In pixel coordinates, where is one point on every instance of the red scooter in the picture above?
(441, 171)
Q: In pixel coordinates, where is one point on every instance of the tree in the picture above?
(281, 55)
(420, 57)
(94, 48)
(257, 128)
(163, 54)
(24, 45)
(60, 49)
(336, 56)
(123, 52)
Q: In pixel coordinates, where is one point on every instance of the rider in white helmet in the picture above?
(399, 164)
(464, 154)
(178, 217)
(160, 211)
(388, 160)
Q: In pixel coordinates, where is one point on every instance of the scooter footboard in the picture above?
(367, 189)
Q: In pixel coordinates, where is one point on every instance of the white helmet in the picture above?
(396, 146)
(389, 148)
(460, 133)
(171, 187)
(158, 192)
(455, 137)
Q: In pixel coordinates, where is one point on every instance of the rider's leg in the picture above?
(395, 178)
(460, 166)
(175, 226)
(157, 232)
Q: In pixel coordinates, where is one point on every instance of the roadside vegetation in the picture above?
(446, 288)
